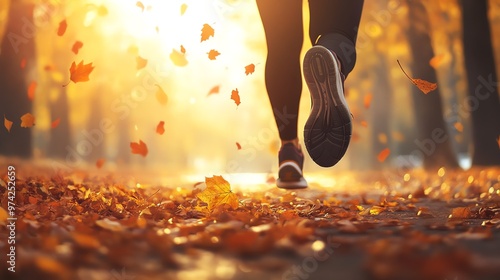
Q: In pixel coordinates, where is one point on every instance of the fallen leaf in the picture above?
(367, 100)
(139, 148)
(183, 50)
(249, 69)
(238, 146)
(80, 72)
(55, 123)
(178, 58)
(23, 63)
(141, 62)
(236, 97)
(375, 210)
(63, 25)
(140, 5)
(216, 89)
(27, 120)
(213, 54)
(109, 225)
(206, 32)
(86, 240)
(382, 156)
(218, 192)
(160, 128)
(461, 213)
(3, 215)
(184, 7)
(100, 162)
(423, 85)
(7, 123)
(32, 90)
(161, 96)
(50, 266)
(76, 47)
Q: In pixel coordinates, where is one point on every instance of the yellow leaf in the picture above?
(375, 210)
(7, 123)
(161, 96)
(109, 225)
(178, 58)
(218, 192)
(184, 7)
(27, 120)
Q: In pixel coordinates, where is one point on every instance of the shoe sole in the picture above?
(328, 129)
(290, 177)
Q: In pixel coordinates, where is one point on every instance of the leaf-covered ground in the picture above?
(416, 225)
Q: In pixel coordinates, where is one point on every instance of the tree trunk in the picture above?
(482, 85)
(17, 46)
(59, 136)
(433, 143)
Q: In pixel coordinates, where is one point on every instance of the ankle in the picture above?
(295, 142)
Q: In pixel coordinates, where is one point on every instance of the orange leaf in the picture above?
(249, 69)
(23, 63)
(183, 50)
(62, 28)
(55, 123)
(423, 85)
(206, 32)
(461, 213)
(236, 97)
(141, 62)
(178, 58)
(139, 148)
(459, 126)
(7, 123)
(364, 123)
(213, 54)
(32, 200)
(80, 72)
(76, 47)
(100, 162)
(368, 100)
(218, 192)
(238, 146)
(32, 90)
(382, 156)
(160, 128)
(27, 120)
(161, 96)
(382, 138)
(214, 90)
(184, 7)
(437, 60)
(140, 5)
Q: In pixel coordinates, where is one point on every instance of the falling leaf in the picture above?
(7, 123)
(178, 58)
(32, 90)
(382, 156)
(397, 136)
(236, 97)
(423, 85)
(76, 47)
(133, 50)
(382, 138)
(27, 120)
(100, 162)
(157, 29)
(55, 123)
(109, 225)
(459, 126)
(140, 5)
(249, 69)
(23, 63)
(206, 32)
(160, 128)
(102, 11)
(218, 192)
(183, 50)
(184, 7)
(364, 123)
(238, 146)
(437, 60)
(63, 25)
(141, 62)
(461, 213)
(139, 148)
(214, 90)
(161, 96)
(213, 54)
(80, 72)
(368, 100)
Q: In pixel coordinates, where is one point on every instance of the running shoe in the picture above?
(291, 162)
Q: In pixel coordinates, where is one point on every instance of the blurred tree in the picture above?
(433, 140)
(17, 48)
(483, 100)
